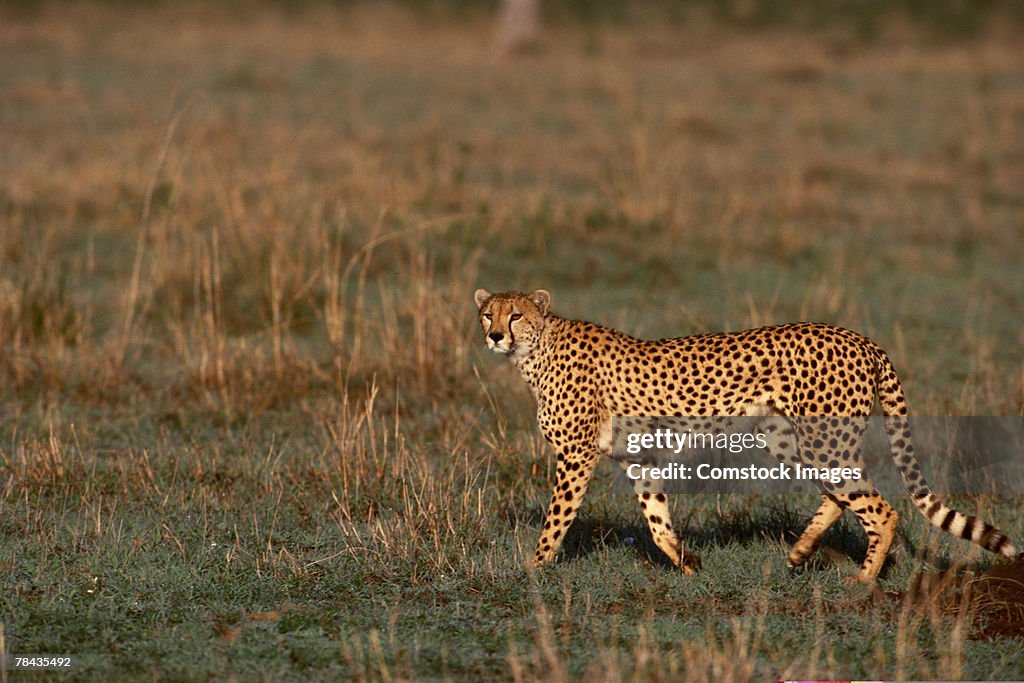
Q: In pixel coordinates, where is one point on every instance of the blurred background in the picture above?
(221, 185)
(238, 245)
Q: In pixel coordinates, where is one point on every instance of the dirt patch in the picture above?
(999, 599)
(994, 599)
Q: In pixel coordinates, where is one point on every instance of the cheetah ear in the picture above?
(541, 299)
(481, 296)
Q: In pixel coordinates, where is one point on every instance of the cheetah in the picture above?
(583, 374)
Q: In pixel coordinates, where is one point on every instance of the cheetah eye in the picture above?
(514, 317)
(486, 316)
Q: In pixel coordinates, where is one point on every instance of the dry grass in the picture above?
(247, 429)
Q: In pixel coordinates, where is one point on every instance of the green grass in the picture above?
(248, 426)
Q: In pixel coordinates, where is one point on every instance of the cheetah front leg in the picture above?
(571, 479)
(659, 520)
(654, 504)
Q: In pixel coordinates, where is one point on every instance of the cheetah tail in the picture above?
(894, 407)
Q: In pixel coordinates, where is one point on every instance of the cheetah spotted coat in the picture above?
(583, 374)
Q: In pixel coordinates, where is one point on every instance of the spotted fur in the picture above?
(583, 374)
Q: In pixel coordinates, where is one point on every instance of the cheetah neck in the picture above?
(533, 363)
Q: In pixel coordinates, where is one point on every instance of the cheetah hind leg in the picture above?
(879, 522)
(875, 515)
(829, 511)
(783, 438)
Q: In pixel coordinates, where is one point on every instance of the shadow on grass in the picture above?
(749, 520)
(753, 523)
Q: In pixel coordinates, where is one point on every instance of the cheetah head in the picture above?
(512, 321)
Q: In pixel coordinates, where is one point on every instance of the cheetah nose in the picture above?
(496, 337)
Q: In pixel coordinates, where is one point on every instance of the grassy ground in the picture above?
(248, 427)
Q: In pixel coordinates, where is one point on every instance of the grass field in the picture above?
(248, 429)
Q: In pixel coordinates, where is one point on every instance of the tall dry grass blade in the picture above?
(127, 334)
